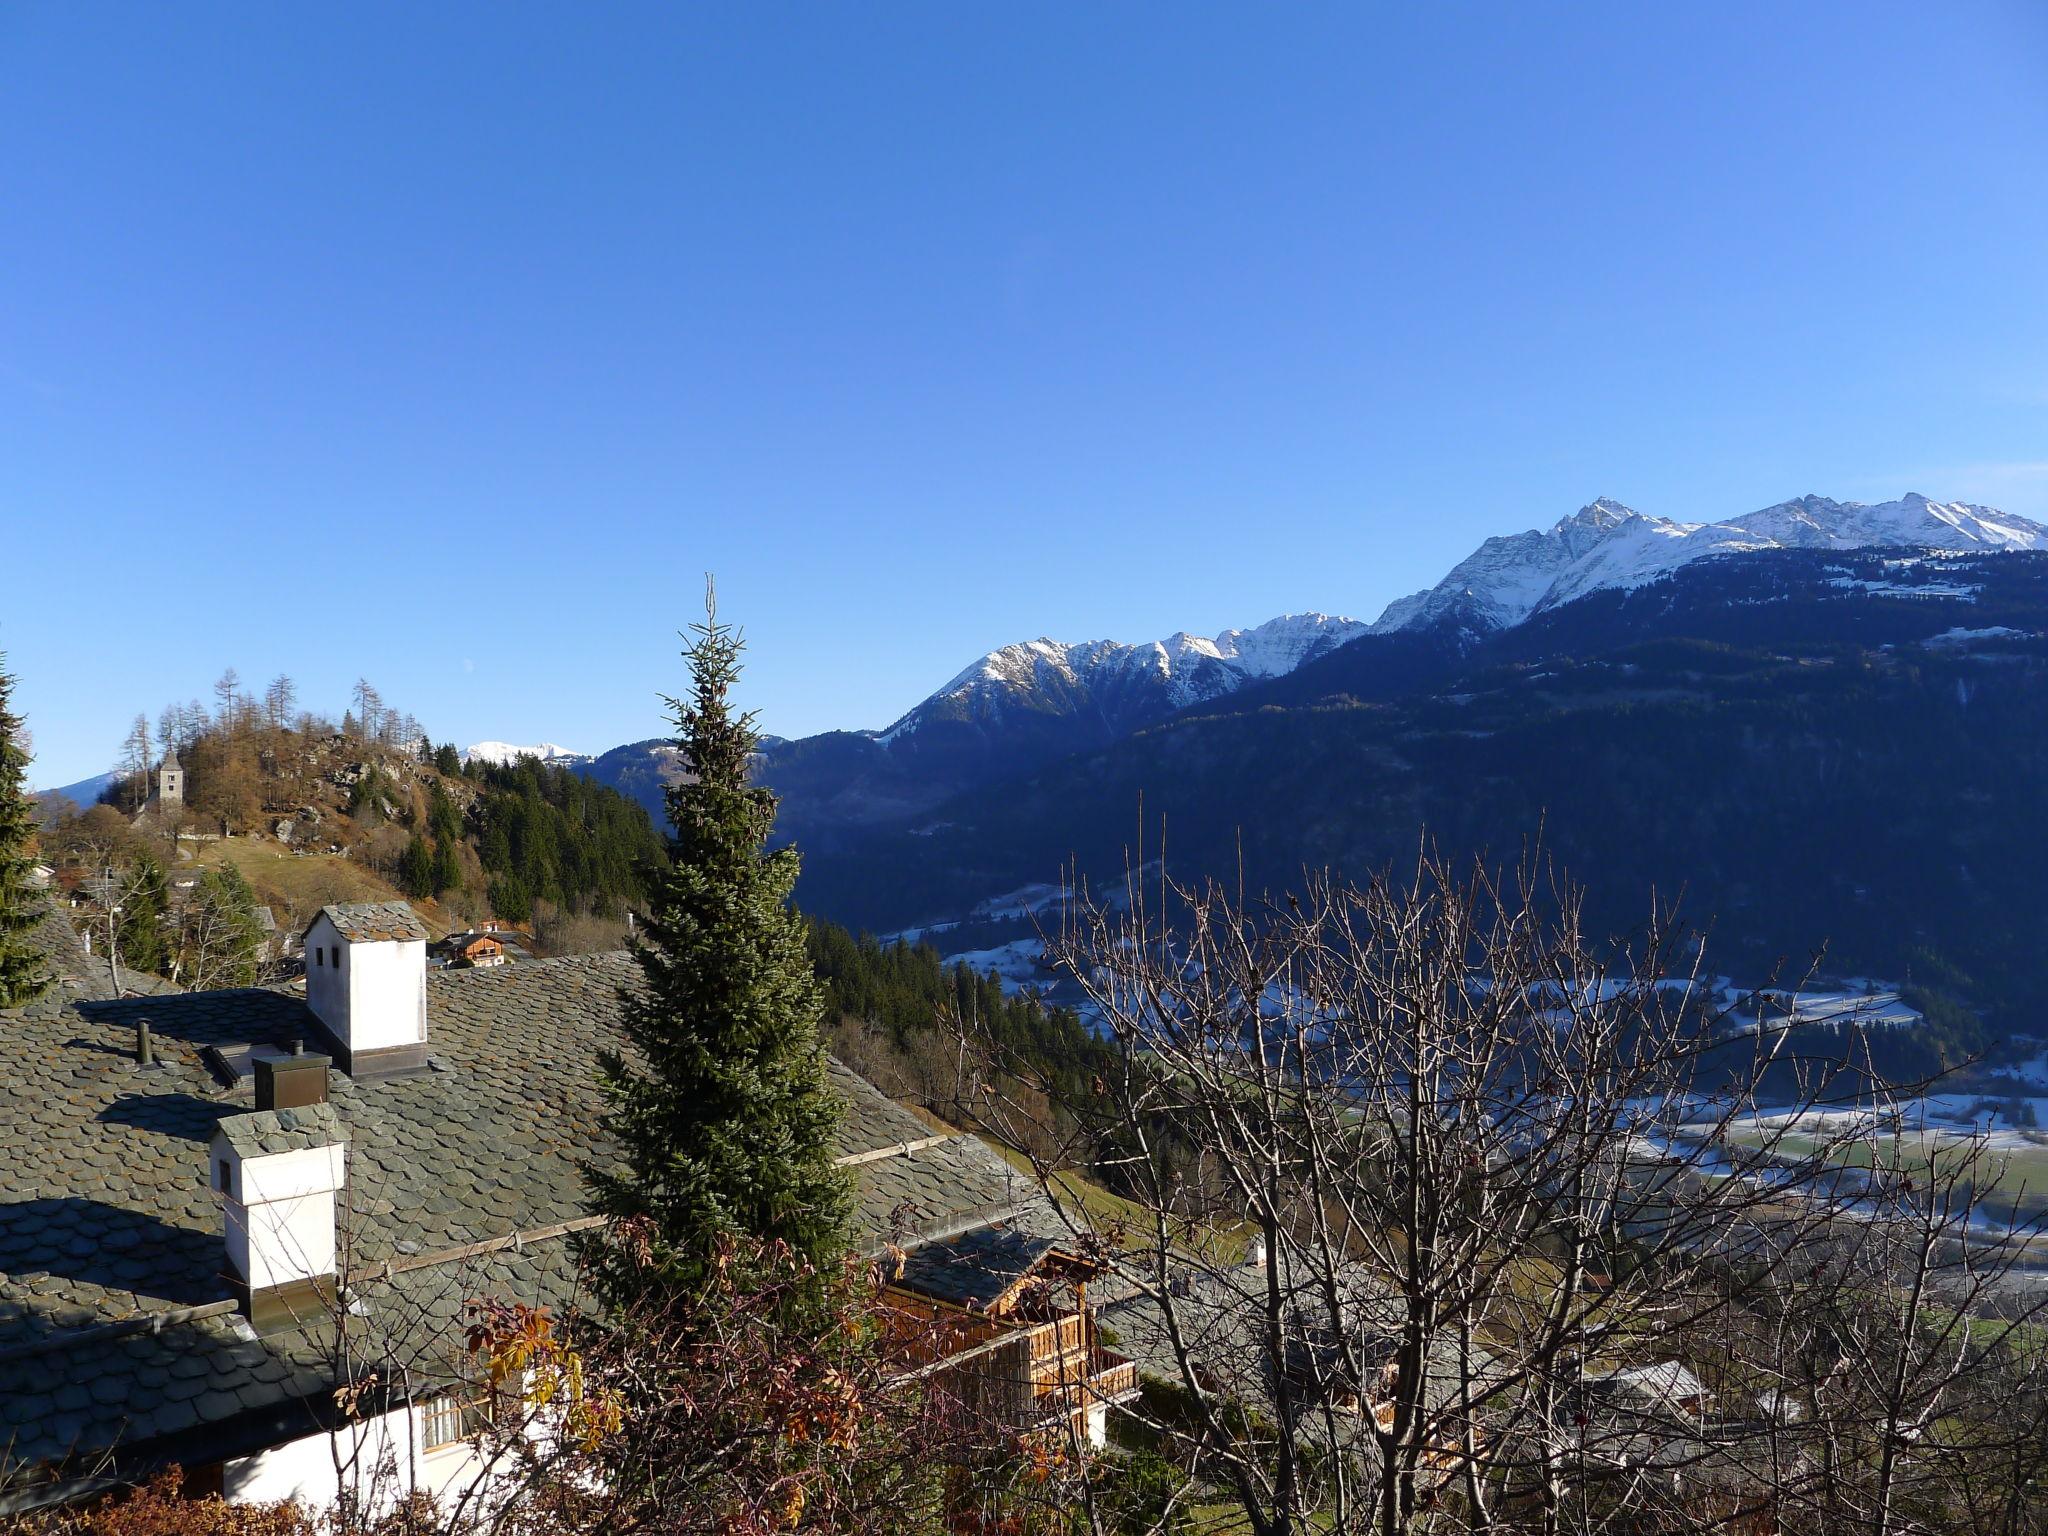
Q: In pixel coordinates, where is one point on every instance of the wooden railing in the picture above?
(1031, 1376)
(1116, 1379)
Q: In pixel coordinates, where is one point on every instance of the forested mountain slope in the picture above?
(1809, 748)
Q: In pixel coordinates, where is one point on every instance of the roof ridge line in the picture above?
(898, 1149)
(400, 1266)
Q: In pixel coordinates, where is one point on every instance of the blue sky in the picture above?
(451, 345)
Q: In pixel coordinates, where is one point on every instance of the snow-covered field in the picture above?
(1018, 964)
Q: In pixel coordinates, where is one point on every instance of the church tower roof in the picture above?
(171, 759)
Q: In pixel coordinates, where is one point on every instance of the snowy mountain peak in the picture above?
(1606, 544)
(1596, 516)
(1148, 680)
(503, 752)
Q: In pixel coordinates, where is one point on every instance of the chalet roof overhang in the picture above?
(989, 1268)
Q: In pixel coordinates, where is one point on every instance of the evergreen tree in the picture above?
(447, 867)
(510, 899)
(22, 978)
(443, 820)
(447, 760)
(725, 1123)
(142, 912)
(219, 940)
(416, 868)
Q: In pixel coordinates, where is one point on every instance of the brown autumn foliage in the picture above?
(161, 1507)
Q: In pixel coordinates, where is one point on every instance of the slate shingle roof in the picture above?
(1221, 1318)
(368, 922)
(283, 1130)
(116, 1321)
(76, 975)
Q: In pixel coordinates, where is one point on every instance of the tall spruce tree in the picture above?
(22, 977)
(416, 868)
(725, 1121)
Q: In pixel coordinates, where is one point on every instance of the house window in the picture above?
(319, 955)
(227, 1183)
(453, 1417)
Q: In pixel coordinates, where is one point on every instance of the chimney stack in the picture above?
(366, 983)
(281, 1173)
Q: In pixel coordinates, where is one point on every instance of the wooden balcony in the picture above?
(1039, 1374)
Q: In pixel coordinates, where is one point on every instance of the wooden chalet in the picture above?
(1003, 1312)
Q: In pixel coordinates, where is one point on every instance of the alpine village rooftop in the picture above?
(223, 1209)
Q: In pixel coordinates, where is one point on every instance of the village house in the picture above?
(238, 1228)
(471, 947)
(1015, 1339)
(1336, 1364)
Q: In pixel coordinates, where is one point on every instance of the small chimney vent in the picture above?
(290, 1081)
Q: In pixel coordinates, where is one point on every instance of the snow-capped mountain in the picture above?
(1606, 545)
(1125, 681)
(503, 752)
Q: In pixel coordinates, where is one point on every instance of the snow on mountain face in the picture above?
(503, 752)
(1180, 670)
(1509, 579)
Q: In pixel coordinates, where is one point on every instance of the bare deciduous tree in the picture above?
(226, 693)
(135, 763)
(368, 708)
(280, 699)
(1452, 1218)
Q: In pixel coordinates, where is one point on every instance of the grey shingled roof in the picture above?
(283, 1130)
(976, 1268)
(76, 975)
(1221, 1317)
(370, 922)
(107, 1216)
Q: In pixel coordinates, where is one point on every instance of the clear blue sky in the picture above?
(450, 345)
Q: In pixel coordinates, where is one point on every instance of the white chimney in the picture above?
(366, 982)
(281, 1173)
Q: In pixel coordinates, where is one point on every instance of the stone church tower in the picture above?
(170, 782)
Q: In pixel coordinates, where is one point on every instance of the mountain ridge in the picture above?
(1024, 706)
(1607, 544)
(1173, 673)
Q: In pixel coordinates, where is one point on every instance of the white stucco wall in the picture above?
(326, 991)
(376, 996)
(379, 1462)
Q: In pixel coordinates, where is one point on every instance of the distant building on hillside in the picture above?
(470, 948)
(166, 800)
(170, 781)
